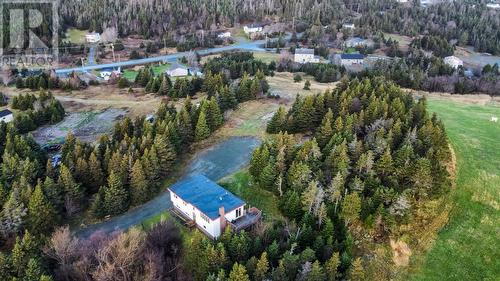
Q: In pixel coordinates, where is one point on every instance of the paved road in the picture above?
(91, 57)
(240, 45)
(216, 162)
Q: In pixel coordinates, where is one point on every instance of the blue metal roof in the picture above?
(206, 195)
(352, 56)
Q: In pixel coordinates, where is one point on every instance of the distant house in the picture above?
(349, 59)
(210, 207)
(453, 61)
(305, 56)
(348, 26)
(224, 35)
(6, 116)
(93, 37)
(357, 42)
(494, 6)
(107, 74)
(177, 71)
(252, 29)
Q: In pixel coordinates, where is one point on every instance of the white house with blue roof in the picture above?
(210, 206)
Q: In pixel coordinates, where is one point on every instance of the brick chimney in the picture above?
(223, 221)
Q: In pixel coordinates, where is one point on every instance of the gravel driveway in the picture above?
(216, 162)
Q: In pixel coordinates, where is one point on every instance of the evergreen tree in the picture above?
(331, 267)
(357, 273)
(277, 122)
(13, 214)
(262, 268)
(138, 184)
(202, 130)
(238, 273)
(213, 114)
(351, 207)
(115, 195)
(307, 85)
(227, 99)
(73, 193)
(42, 215)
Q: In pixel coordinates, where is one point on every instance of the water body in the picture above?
(216, 162)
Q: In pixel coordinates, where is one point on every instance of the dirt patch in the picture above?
(87, 126)
(282, 84)
(401, 253)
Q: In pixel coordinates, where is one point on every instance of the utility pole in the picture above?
(113, 50)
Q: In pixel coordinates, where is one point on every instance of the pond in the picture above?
(216, 162)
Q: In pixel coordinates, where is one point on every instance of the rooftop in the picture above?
(5, 112)
(304, 51)
(206, 195)
(352, 56)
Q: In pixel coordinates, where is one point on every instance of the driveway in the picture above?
(217, 162)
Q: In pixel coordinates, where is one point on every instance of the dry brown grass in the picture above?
(282, 84)
(100, 97)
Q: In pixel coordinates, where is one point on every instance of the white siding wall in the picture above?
(204, 222)
(7, 118)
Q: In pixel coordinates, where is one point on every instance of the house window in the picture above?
(238, 212)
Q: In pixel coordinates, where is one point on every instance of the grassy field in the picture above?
(266, 57)
(468, 247)
(240, 185)
(76, 36)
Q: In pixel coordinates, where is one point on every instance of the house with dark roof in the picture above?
(210, 207)
(349, 59)
(6, 116)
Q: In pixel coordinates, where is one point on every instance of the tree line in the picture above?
(121, 170)
(35, 111)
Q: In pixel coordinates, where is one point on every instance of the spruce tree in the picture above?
(42, 215)
(357, 273)
(331, 267)
(202, 130)
(277, 122)
(262, 268)
(138, 184)
(115, 195)
(238, 273)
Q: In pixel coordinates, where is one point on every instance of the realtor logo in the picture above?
(28, 33)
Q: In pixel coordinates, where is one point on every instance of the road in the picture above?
(240, 45)
(220, 160)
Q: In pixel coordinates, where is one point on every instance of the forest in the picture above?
(121, 170)
(374, 154)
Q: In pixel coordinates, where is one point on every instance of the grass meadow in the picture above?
(468, 247)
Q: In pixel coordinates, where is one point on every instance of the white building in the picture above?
(252, 29)
(210, 207)
(348, 26)
(177, 71)
(224, 35)
(106, 75)
(6, 116)
(453, 61)
(93, 37)
(305, 56)
(493, 6)
(354, 42)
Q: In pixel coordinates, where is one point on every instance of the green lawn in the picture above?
(468, 248)
(266, 201)
(76, 36)
(130, 74)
